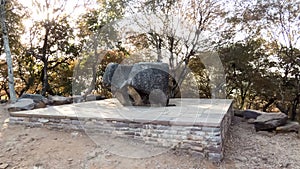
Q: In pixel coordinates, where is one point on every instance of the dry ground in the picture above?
(40, 148)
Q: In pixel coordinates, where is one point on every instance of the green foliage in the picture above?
(262, 69)
(14, 27)
(242, 63)
(99, 46)
(201, 76)
(56, 51)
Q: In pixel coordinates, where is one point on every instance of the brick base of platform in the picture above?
(201, 140)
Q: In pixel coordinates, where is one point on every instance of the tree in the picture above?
(201, 76)
(11, 84)
(278, 22)
(56, 35)
(245, 65)
(15, 13)
(98, 45)
(181, 30)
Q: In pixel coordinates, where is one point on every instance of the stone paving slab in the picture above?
(197, 112)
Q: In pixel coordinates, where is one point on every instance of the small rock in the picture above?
(264, 158)
(9, 149)
(40, 105)
(269, 121)
(38, 166)
(251, 121)
(285, 165)
(99, 97)
(30, 140)
(59, 100)
(92, 155)
(3, 166)
(22, 104)
(70, 159)
(74, 134)
(241, 158)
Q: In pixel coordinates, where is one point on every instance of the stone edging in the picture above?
(201, 140)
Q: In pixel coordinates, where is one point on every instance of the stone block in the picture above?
(43, 120)
(197, 148)
(66, 121)
(143, 83)
(215, 157)
(211, 129)
(16, 118)
(75, 122)
(120, 124)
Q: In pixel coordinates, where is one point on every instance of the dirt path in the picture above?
(39, 148)
(250, 149)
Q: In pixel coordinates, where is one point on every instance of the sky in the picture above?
(72, 7)
(77, 7)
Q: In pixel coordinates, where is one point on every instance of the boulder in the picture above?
(120, 77)
(109, 72)
(158, 98)
(251, 121)
(238, 113)
(39, 100)
(40, 105)
(77, 99)
(99, 97)
(35, 97)
(22, 104)
(290, 126)
(136, 97)
(3, 101)
(140, 84)
(123, 96)
(92, 97)
(269, 121)
(59, 100)
(146, 77)
(251, 114)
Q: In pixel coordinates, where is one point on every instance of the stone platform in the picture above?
(196, 125)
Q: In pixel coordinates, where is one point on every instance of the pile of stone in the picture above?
(35, 101)
(28, 102)
(264, 121)
(140, 84)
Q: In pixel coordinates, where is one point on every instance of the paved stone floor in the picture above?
(200, 112)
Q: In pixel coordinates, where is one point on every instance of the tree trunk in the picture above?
(45, 79)
(281, 108)
(294, 107)
(11, 83)
(271, 101)
(158, 47)
(45, 62)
